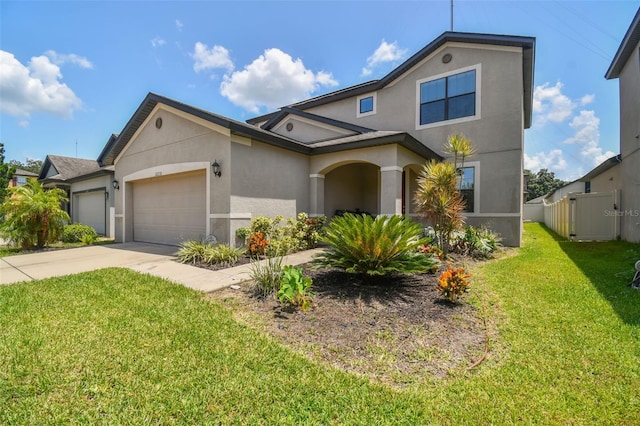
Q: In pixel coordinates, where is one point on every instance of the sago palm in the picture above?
(33, 216)
(386, 244)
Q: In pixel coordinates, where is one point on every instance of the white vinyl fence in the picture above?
(594, 216)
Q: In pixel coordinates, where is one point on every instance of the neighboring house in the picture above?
(20, 177)
(626, 68)
(605, 177)
(89, 189)
(575, 187)
(359, 148)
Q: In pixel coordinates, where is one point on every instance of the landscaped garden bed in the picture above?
(395, 329)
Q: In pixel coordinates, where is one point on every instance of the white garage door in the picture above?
(169, 209)
(89, 209)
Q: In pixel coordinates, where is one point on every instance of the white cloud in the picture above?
(386, 52)
(24, 124)
(61, 59)
(158, 42)
(272, 80)
(553, 161)
(35, 87)
(550, 104)
(179, 25)
(207, 59)
(587, 137)
(587, 99)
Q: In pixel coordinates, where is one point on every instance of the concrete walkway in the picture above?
(153, 259)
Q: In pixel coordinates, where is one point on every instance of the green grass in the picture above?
(117, 347)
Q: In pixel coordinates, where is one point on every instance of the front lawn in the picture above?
(117, 347)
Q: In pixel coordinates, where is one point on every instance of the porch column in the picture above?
(316, 195)
(391, 190)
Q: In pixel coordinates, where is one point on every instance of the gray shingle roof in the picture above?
(627, 46)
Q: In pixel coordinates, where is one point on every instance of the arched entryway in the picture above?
(353, 187)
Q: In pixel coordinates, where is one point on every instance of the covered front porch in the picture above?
(373, 180)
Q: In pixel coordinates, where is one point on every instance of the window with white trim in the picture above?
(366, 105)
(446, 97)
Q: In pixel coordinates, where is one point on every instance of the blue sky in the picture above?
(72, 73)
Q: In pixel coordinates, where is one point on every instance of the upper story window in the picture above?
(366, 105)
(449, 97)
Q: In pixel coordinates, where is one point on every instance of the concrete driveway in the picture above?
(154, 259)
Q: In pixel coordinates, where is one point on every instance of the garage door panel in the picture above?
(169, 209)
(90, 209)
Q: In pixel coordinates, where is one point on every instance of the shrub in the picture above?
(475, 242)
(194, 251)
(294, 288)
(257, 244)
(77, 232)
(221, 254)
(266, 275)
(453, 282)
(191, 251)
(243, 234)
(361, 244)
(88, 239)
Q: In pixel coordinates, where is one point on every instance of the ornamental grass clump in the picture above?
(453, 282)
(364, 245)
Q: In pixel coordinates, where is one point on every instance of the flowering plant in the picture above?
(453, 282)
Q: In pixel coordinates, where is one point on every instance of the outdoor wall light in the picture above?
(115, 184)
(216, 168)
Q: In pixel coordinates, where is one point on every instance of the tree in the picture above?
(6, 174)
(542, 183)
(33, 216)
(32, 165)
(439, 200)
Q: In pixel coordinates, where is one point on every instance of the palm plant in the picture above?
(33, 216)
(439, 201)
(386, 244)
(460, 147)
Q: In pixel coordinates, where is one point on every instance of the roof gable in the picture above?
(626, 48)
(63, 169)
(527, 44)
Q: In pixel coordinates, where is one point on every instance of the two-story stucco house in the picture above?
(182, 172)
(626, 68)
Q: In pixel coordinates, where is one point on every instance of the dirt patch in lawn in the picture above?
(397, 330)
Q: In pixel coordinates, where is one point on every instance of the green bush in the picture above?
(475, 242)
(275, 238)
(194, 251)
(77, 232)
(222, 254)
(379, 246)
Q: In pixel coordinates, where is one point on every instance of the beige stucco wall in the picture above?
(266, 181)
(629, 81)
(306, 131)
(182, 144)
(497, 132)
(607, 181)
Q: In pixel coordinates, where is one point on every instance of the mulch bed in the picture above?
(396, 330)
